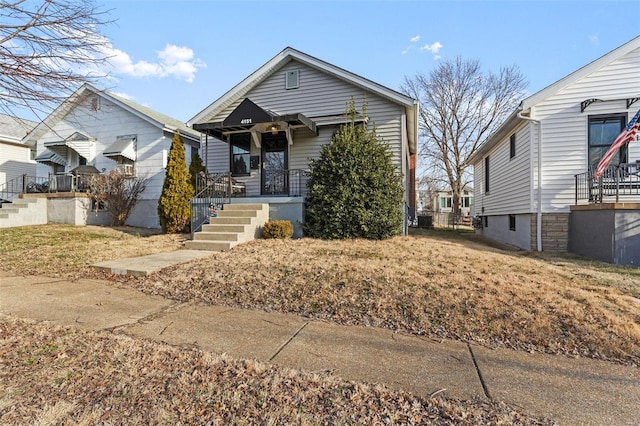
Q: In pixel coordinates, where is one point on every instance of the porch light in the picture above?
(275, 128)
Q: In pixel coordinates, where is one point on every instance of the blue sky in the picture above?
(179, 56)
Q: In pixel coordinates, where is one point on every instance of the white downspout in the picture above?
(539, 210)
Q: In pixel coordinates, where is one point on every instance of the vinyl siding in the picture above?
(319, 94)
(105, 125)
(564, 127)
(509, 178)
(15, 160)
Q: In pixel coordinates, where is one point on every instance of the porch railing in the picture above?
(616, 181)
(26, 184)
(213, 191)
(285, 182)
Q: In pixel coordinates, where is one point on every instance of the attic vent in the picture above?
(292, 79)
(95, 103)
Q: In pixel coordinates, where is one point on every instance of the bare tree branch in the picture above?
(459, 108)
(48, 48)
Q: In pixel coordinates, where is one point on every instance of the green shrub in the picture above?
(355, 190)
(195, 168)
(174, 210)
(277, 229)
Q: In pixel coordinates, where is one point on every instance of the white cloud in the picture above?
(405, 51)
(594, 39)
(433, 48)
(173, 61)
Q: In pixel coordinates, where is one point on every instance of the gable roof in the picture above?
(14, 129)
(289, 54)
(151, 116)
(514, 119)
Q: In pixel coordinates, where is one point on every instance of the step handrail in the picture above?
(212, 193)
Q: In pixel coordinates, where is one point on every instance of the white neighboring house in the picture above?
(443, 202)
(97, 128)
(265, 129)
(525, 174)
(15, 156)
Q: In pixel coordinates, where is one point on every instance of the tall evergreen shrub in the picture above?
(173, 206)
(355, 191)
(195, 168)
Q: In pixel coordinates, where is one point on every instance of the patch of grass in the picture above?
(439, 284)
(65, 250)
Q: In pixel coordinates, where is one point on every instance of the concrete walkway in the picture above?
(571, 391)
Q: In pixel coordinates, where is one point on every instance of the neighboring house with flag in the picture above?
(534, 183)
(97, 131)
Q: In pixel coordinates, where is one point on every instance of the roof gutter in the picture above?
(539, 196)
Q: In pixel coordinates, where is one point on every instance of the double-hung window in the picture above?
(603, 130)
(240, 154)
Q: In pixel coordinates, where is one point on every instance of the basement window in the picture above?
(512, 222)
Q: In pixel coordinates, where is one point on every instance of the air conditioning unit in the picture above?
(125, 169)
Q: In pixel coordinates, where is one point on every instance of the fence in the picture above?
(444, 220)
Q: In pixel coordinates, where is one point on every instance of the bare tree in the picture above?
(460, 107)
(48, 48)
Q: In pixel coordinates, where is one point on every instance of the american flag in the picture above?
(625, 137)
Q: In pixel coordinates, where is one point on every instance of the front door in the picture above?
(274, 164)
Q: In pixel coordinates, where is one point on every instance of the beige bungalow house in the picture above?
(534, 186)
(264, 130)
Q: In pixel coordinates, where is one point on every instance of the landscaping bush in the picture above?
(277, 229)
(355, 191)
(118, 194)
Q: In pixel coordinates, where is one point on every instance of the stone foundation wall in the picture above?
(555, 232)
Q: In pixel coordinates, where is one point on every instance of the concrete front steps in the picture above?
(23, 212)
(235, 224)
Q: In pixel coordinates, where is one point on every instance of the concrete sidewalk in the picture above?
(571, 391)
(145, 265)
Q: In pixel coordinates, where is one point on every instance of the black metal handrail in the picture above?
(26, 184)
(290, 182)
(213, 191)
(615, 181)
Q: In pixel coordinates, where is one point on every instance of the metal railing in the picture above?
(615, 181)
(26, 184)
(213, 191)
(292, 183)
(12, 188)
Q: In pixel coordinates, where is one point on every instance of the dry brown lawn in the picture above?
(437, 284)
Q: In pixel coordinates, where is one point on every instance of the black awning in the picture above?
(247, 115)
